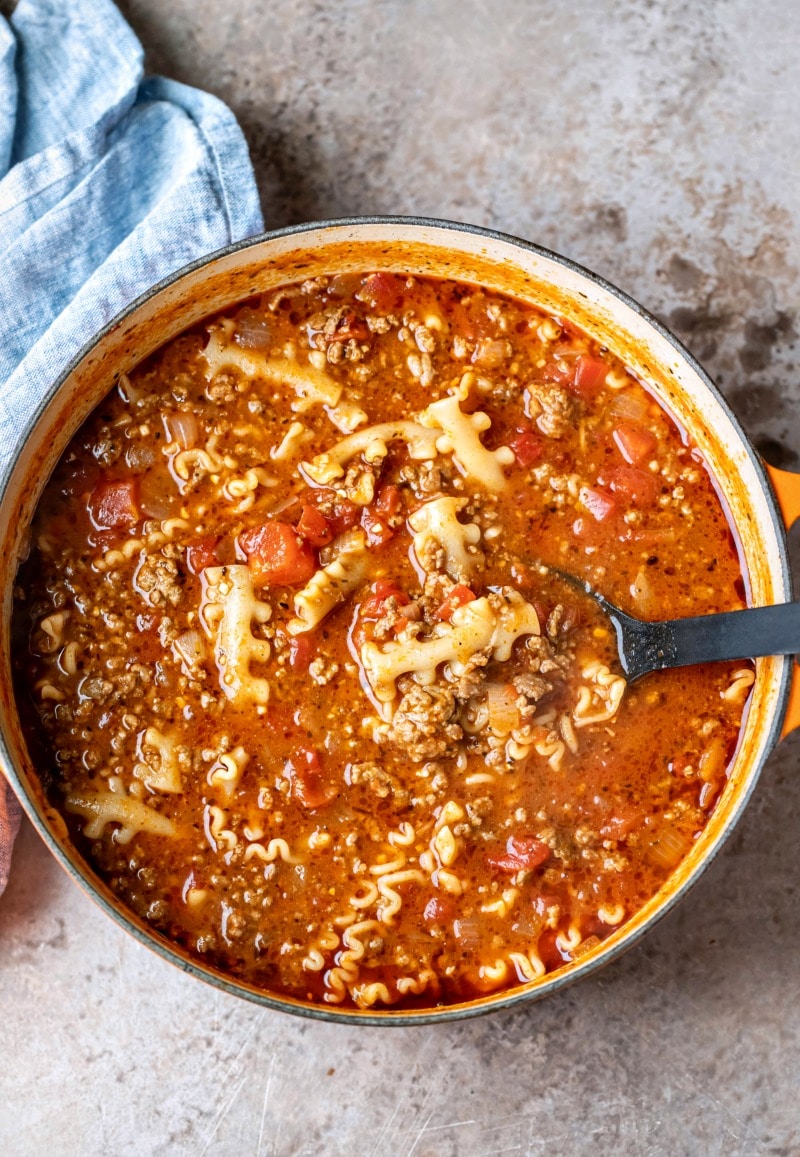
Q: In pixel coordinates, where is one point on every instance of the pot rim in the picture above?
(153, 940)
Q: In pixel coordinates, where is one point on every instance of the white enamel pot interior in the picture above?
(439, 249)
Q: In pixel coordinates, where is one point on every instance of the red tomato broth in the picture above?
(280, 829)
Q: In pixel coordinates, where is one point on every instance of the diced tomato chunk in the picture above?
(634, 443)
(562, 372)
(600, 504)
(314, 526)
(383, 589)
(590, 374)
(632, 485)
(376, 527)
(276, 555)
(304, 772)
(388, 500)
(439, 910)
(340, 513)
(383, 291)
(548, 951)
(376, 519)
(622, 821)
(459, 596)
(113, 505)
(351, 327)
(542, 610)
(593, 926)
(202, 553)
(521, 852)
(527, 448)
(301, 652)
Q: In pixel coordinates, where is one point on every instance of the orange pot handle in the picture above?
(786, 485)
(787, 490)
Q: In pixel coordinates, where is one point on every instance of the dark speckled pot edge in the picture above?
(491, 1003)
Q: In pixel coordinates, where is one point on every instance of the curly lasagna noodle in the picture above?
(298, 675)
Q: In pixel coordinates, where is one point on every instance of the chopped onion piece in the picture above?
(348, 541)
(584, 948)
(139, 457)
(501, 701)
(190, 648)
(530, 924)
(128, 392)
(629, 407)
(253, 330)
(181, 427)
(467, 931)
(711, 764)
(154, 501)
(492, 354)
(643, 595)
(668, 848)
(285, 504)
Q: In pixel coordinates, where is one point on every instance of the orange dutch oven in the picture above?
(762, 502)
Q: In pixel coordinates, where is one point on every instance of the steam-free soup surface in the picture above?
(295, 673)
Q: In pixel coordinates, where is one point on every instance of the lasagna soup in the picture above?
(297, 672)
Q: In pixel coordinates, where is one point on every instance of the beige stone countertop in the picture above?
(658, 143)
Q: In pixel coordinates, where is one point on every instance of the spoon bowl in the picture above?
(654, 646)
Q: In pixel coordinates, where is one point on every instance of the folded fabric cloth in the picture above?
(108, 182)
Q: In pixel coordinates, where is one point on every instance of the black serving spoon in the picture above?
(645, 647)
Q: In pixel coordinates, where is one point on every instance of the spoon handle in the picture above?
(644, 647)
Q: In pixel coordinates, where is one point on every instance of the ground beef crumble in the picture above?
(552, 407)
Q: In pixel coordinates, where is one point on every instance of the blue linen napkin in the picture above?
(108, 182)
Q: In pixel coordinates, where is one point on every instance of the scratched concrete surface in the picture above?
(658, 143)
